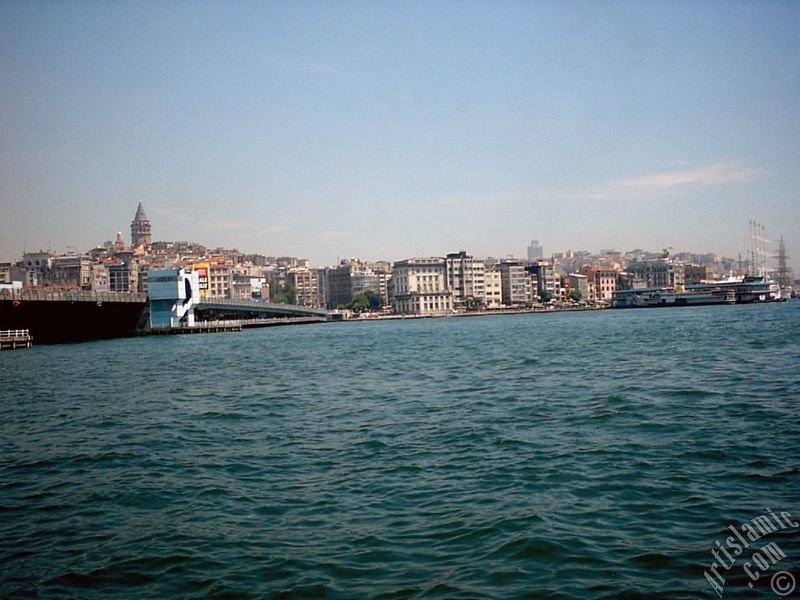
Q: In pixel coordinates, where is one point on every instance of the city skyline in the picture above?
(387, 131)
(140, 228)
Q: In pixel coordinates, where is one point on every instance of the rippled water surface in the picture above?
(573, 455)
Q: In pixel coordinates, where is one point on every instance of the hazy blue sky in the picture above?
(393, 129)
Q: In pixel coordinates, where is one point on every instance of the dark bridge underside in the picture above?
(55, 317)
(52, 322)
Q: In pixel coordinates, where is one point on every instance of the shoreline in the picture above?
(486, 313)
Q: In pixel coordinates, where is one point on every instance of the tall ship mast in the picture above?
(757, 251)
(784, 271)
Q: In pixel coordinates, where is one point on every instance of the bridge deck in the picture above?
(227, 304)
(45, 295)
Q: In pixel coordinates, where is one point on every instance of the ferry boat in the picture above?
(656, 298)
(744, 291)
(748, 290)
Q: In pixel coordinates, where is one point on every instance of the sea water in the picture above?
(573, 455)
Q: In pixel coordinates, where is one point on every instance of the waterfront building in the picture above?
(305, 281)
(37, 267)
(241, 287)
(220, 278)
(660, 272)
(122, 276)
(547, 288)
(534, 284)
(322, 286)
(493, 289)
(144, 264)
(141, 232)
(383, 269)
(602, 282)
(516, 286)
(629, 281)
(12, 274)
(535, 251)
(115, 276)
(579, 282)
(340, 286)
(420, 287)
(5, 272)
(363, 280)
(350, 278)
(70, 271)
(202, 269)
(466, 276)
(697, 274)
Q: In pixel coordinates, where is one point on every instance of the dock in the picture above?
(198, 328)
(231, 325)
(12, 339)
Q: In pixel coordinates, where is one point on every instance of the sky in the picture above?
(386, 130)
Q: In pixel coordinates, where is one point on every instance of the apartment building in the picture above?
(466, 277)
(305, 281)
(516, 285)
(493, 289)
(602, 282)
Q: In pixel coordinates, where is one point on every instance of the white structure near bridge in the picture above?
(173, 295)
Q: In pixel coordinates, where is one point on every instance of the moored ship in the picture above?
(745, 291)
(653, 298)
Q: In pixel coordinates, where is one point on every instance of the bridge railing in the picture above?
(264, 321)
(245, 322)
(45, 295)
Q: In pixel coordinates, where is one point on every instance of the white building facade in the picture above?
(420, 287)
(493, 289)
(172, 294)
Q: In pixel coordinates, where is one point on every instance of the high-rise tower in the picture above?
(535, 251)
(141, 234)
